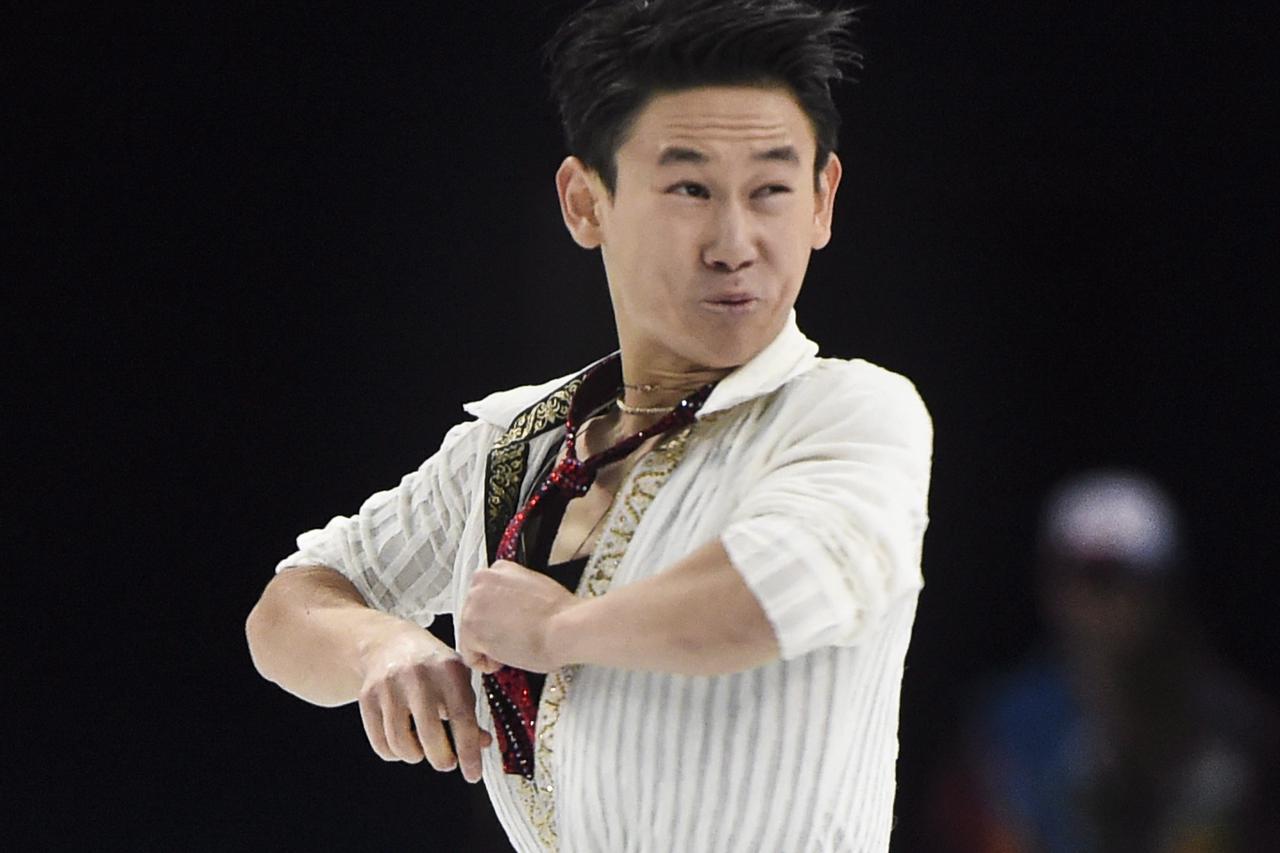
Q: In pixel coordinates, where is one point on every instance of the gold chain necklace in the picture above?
(641, 410)
(655, 386)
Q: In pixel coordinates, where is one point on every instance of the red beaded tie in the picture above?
(514, 710)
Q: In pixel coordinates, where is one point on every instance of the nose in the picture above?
(731, 246)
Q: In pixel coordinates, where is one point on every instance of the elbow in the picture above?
(288, 648)
(258, 632)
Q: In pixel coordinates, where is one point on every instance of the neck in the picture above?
(648, 396)
(647, 386)
(672, 408)
(655, 389)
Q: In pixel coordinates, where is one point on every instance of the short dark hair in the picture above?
(612, 56)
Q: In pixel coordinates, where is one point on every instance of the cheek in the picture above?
(646, 239)
(661, 252)
(791, 250)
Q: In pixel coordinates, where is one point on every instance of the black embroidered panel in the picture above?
(509, 459)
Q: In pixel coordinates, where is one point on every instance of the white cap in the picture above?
(1115, 516)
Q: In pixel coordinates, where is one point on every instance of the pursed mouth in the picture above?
(731, 303)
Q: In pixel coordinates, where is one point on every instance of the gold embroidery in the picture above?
(510, 457)
(542, 415)
(506, 472)
(507, 464)
(539, 795)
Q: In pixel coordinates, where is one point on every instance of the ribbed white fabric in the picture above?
(814, 474)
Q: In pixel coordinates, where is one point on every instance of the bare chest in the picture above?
(583, 519)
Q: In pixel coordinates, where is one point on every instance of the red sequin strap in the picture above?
(514, 708)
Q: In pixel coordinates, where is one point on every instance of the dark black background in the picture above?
(263, 253)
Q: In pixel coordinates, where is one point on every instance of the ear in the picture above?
(579, 192)
(825, 199)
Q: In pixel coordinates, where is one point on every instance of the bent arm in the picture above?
(820, 547)
(313, 634)
(696, 618)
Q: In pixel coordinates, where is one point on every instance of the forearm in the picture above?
(311, 631)
(696, 618)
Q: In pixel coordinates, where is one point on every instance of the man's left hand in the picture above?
(507, 616)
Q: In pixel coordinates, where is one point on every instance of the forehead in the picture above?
(720, 120)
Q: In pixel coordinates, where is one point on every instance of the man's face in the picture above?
(708, 233)
(1103, 610)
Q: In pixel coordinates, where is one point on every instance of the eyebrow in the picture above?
(680, 154)
(782, 153)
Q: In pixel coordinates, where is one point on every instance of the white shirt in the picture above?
(814, 474)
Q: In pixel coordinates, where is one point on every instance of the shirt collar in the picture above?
(786, 357)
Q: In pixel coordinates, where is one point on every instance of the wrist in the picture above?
(383, 637)
(565, 634)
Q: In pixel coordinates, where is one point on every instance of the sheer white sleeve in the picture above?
(830, 536)
(400, 548)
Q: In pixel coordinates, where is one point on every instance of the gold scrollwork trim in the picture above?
(509, 459)
(542, 415)
(539, 795)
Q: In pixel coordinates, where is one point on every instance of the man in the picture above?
(1124, 732)
(741, 520)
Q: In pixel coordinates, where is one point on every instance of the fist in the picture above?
(507, 619)
(412, 684)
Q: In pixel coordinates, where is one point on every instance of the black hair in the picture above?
(612, 56)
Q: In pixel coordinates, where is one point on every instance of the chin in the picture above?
(737, 345)
(727, 353)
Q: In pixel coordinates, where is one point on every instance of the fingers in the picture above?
(470, 658)
(404, 714)
(371, 716)
(404, 724)
(480, 662)
(393, 727)
(473, 658)
(468, 738)
(432, 739)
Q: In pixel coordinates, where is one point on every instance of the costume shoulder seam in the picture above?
(860, 370)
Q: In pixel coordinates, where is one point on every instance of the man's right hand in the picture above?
(413, 683)
(314, 635)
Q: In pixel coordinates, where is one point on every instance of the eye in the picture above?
(771, 190)
(689, 189)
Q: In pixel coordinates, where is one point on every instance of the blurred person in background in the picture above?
(1125, 733)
